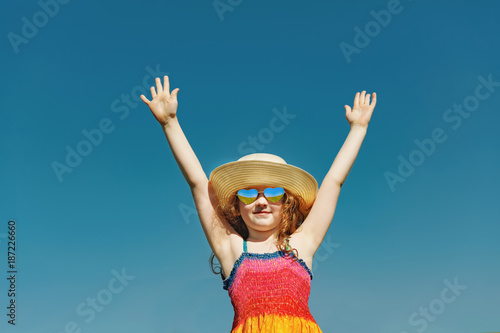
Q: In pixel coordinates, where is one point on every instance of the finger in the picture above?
(166, 84)
(374, 99)
(362, 97)
(356, 100)
(153, 92)
(158, 85)
(347, 109)
(174, 93)
(145, 100)
(367, 99)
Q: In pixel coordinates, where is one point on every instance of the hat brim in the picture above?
(227, 179)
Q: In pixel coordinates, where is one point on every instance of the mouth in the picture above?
(261, 213)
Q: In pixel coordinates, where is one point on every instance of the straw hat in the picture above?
(262, 169)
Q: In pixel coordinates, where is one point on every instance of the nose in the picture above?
(261, 199)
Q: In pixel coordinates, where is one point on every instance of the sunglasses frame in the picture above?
(263, 192)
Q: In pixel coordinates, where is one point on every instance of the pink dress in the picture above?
(270, 293)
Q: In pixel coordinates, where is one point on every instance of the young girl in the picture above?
(264, 219)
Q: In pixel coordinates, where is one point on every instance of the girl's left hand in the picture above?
(362, 110)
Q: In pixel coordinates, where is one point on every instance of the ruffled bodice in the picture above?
(270, 293)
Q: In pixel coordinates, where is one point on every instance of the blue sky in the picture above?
(417, 213)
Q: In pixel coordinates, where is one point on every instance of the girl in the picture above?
(256, 212)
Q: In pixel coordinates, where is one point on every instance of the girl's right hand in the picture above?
(164, 105)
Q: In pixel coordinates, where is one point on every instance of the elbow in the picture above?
(339, 182)
(333, 181)
(198, 183)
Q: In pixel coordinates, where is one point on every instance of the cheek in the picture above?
(241, 207)
(278, 211)
(244, 209)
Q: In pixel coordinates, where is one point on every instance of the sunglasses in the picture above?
(271, 194)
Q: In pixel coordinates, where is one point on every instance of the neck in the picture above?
(261, 236)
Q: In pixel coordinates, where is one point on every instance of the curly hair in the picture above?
(293, 212)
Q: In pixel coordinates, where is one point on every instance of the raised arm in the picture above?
(164, 108)
(358, 119)
(320, 217)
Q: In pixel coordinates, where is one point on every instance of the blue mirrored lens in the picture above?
(248, 196)
(274, 194)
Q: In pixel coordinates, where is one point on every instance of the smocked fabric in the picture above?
(270, 293)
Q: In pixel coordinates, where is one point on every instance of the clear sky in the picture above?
(106, 237)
